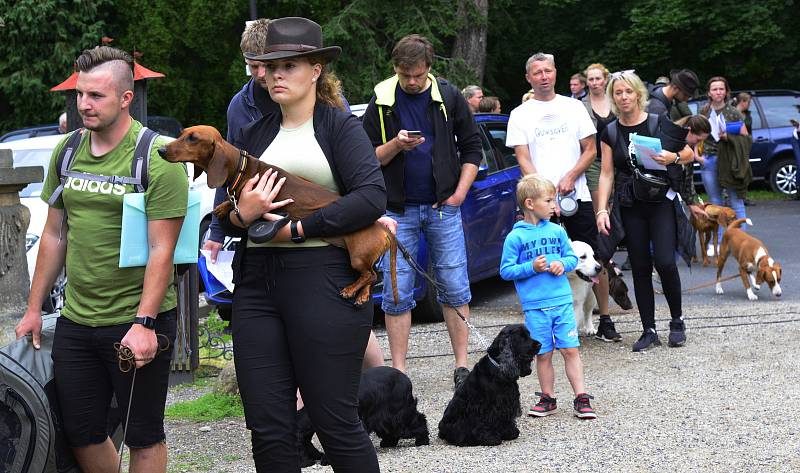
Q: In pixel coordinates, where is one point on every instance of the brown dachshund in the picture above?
(225, 164)
(708, 228)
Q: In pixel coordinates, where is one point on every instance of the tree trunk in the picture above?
(470, 44)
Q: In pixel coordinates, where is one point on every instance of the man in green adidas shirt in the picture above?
(106, 304)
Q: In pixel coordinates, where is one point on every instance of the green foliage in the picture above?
(196, 44)
(39, 42)
(208, 407)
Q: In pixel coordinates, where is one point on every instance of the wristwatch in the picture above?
(296, 237)
(147, 322)
(677, 158)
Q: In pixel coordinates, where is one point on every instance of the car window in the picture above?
(779, 109)
(487, 162)
(32, 157)
(498, 134)
(755, 115)
(696, 106)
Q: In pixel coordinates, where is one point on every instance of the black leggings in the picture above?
(292, 329)
(644, 223)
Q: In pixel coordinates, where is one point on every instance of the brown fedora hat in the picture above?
(295, 37)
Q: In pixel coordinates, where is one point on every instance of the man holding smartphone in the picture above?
(429, 149)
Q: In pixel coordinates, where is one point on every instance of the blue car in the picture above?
(488, 214)
(771, 158)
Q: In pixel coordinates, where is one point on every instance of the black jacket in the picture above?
(353, 163)
(457, 139)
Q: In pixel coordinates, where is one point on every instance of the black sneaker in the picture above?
(677, 333)
(606, 331)
(583, 407)
(649, 339)
(545, 407)
(459, 376)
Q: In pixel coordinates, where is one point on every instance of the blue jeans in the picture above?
(711, 184)
(447, 252)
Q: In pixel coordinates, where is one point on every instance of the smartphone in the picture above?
(414, 133)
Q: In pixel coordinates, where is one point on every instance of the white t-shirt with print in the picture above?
(552, 130)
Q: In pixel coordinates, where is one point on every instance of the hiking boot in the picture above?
(545, 407)
(649, 339)
(606, 330)
(583, 407)
(677, 333)
(459, 376)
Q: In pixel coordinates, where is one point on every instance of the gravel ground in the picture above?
(721, 403)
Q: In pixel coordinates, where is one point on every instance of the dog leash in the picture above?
(127, 361)
(700, 286)
(439, 287)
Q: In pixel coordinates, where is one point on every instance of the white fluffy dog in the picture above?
(581, 281)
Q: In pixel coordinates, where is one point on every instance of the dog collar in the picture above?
(494, 362)
(242, 165)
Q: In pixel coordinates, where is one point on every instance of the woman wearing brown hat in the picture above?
(290, 326)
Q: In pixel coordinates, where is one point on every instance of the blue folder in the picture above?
(733, 128)
(650, 143)
(133, 245)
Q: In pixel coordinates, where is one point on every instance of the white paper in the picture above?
(645, 155)
(222, 269)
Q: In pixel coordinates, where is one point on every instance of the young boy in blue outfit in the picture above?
(537, 254)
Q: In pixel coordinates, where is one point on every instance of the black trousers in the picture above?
(292, 329)
(646, 223)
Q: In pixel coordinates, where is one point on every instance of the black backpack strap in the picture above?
(64, 161)
(652, 124)
(140, 164)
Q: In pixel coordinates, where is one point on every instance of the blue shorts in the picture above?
(444, 235)
(553, 326)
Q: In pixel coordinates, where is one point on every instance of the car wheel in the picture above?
(782, 176)
(55, 301)
(428, 310)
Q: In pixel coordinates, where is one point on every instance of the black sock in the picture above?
(605, 317)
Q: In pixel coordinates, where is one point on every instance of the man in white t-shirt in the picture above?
(553, 136)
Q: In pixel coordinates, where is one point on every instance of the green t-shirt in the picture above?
(98, 291)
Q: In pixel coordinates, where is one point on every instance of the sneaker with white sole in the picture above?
(606, 330)
(583, 406)
(545, 407)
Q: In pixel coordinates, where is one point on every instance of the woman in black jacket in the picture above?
(650, 226)
(290, 326)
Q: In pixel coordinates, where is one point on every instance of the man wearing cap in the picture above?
(554, 136)
(668, 98)
(427, 174)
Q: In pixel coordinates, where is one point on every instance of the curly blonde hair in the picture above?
(329, 87)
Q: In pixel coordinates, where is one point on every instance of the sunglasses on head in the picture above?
(617, 75)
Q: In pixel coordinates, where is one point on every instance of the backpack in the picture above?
(139, 165)
(31, 437)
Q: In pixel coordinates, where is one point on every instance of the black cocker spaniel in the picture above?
(386, 406)
(484, 409)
